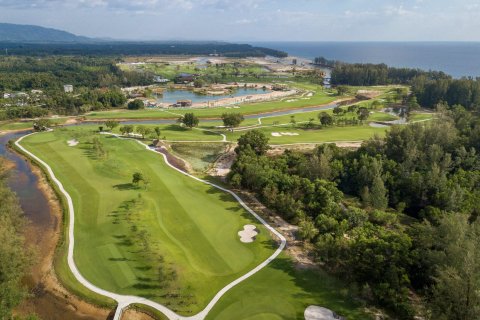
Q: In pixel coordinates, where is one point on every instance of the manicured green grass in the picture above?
(174, 241)
(199, 155)
(421, 116)
(24, 125)
(281, 291)
(174, 132)
(6, 126)
(328, 134)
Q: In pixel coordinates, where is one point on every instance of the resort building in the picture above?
(68, 88)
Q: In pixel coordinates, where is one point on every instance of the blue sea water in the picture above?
(459, 59)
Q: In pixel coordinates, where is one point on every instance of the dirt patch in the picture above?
(50, 300)
(222, 166)
(295, 247)
(132, 314)
(173, 160)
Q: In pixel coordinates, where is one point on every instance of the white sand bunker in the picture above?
(72, 143)
(248, 234)
(279, 134)
(320, 313)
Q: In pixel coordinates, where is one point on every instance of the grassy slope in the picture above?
(281, 291)
(355, 133)
(200, 155)
(193, 227)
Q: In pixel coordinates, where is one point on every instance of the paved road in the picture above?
(124, 301)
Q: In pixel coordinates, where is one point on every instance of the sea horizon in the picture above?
(457, 58)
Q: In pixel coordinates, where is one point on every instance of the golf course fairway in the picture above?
(169, 238)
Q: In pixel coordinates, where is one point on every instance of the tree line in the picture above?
(139, 48)
(429, 87)
(391, 218)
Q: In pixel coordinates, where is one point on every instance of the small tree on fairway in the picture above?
(111, 124)
(325, 119)
(143, 130)
(232, 120)
(137, 177)
(293, 121)
(126, 129)
(363, 113)
(158, 132)
(189, 120)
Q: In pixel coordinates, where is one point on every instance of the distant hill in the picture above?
(35, 40)
(35, 34)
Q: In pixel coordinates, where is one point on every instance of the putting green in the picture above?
(173, 241)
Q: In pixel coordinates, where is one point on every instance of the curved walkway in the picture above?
(123, 300)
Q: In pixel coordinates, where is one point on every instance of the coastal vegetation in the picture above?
(388, 218)
(15, 256)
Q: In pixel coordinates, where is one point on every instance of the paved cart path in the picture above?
(123, 300)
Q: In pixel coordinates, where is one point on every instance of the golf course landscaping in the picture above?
(168, 238)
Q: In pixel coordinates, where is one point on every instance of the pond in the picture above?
(25, 184)
(172, 96)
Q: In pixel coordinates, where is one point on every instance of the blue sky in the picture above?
(292, 20)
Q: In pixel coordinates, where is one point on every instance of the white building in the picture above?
(68, 88)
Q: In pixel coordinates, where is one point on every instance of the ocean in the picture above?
(459, 59)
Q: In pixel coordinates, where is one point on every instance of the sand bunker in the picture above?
(319, 313)
(72, 143)
(279, 134)
(248, 234)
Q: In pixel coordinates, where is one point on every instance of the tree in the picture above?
(254, 140)
(338, 111)
(232, 120)
(137, 177)
(378, 193)
(42, 124)
(157, 131)
(126, 129)
(292, 120)
(141, 129)
(111, 124)
(198, 83)
(307, 230)
(456, 289)
(136, 104)
(342, 90)
(363, 113)
(189, 120)
(15, 257)
(325, 118)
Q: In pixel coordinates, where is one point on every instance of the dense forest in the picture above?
(139, 48)
(397, 218)
(51, 73)
(15, 258)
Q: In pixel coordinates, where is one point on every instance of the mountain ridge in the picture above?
(10, 32)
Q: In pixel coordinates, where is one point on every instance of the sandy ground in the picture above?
(248, 234)
(274, 95)
(222, 166)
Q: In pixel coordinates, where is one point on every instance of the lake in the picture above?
(172, 96)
